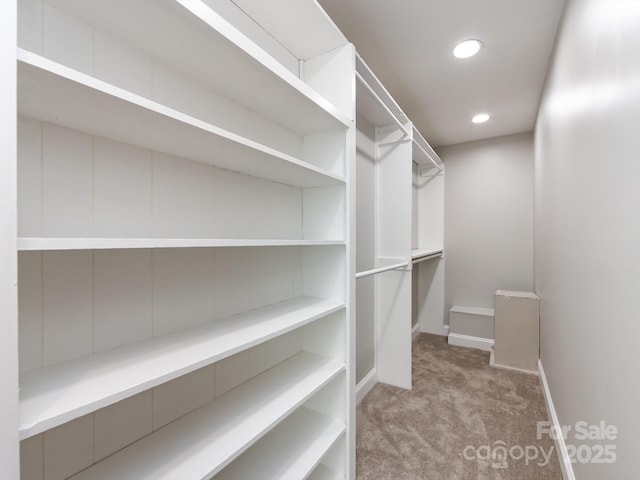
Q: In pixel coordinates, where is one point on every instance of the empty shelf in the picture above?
(423, 154)
(59, 393)
(201, 443)
(425, 252)
(57, 94)
(37, 243)
(291, 451)
(373, 101)
(213, 52)
(322, 472)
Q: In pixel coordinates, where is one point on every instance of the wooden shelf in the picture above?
(201, 443)
(322, 472)
(62, 392)
(57, 94)
(43, 244)
(210, 50)
(291, 451)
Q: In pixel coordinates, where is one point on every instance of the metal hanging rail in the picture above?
(375, 271)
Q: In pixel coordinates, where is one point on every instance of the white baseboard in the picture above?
(561, 447)
(442, 331)
(365, 385)
(415, 331)
(458, 340)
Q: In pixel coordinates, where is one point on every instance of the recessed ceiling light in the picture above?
(480, 118)
(467, 48)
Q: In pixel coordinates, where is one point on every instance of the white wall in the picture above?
(587, 257)
(488, 219)
(365, 246)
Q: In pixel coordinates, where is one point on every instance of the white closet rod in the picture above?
(375, 271)
(381, 102)
(427, 257)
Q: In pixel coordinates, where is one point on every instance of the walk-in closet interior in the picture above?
(219, 232)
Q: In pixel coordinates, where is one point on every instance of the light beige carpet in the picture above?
(463, 420)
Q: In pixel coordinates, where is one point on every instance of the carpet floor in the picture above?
(463, 420)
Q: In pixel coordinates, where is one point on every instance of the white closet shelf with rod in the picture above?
(383, 105)
(367, 78)
(399, 155)
(375, 271)
(422, 254)
(388, 109)
(419, 142)
(424, 148)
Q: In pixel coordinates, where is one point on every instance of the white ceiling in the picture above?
(408, 44)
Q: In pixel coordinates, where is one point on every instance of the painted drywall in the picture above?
(587, 227)
(365, 243)
(428, 296)
(488, 219)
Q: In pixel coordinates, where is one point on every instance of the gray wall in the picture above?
(488, 219)
(365, 247)
(587, 222)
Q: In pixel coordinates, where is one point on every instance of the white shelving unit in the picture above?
(428, 240)
(184, 240)
(385, 236)
(400, 232)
